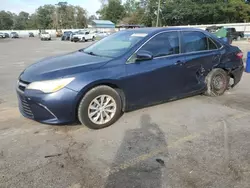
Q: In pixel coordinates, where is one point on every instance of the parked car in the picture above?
(6, 35)
(2, 35)
(45, 36)
(235, 35)
(232, 34)
(83, 36)
(14, 35)
(101, 34)
(31, 34)
(221, 33)
(125, 71)
(58, 33)
(72, 35)
(66, 35)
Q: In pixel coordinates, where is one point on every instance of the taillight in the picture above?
(239, 55)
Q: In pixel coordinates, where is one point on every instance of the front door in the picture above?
(162, 78)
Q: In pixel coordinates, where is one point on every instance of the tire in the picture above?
(83, 39)
(95, 93)
(93, 39)
(217, 82)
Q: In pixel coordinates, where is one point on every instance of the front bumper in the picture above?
(76, 39)
(45, 38)
(53, 108)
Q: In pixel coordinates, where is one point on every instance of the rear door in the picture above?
(201, 55)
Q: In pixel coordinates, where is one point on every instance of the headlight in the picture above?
(50, 86)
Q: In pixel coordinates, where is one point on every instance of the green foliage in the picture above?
(113, 11)
(48, 16)
(6, 20)
(172, 12)
(45, 16)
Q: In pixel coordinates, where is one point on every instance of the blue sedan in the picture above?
(125, 71)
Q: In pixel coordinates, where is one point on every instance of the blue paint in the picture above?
(248, 63)
(143, 83)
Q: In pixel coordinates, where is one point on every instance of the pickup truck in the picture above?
(233, 34)
(83, 36)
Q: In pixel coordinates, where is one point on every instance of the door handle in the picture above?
(180, 63)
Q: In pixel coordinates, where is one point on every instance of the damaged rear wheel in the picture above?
(217, 82)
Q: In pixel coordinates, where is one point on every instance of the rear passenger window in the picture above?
(163, 44)
(194, 41)
(211, 44)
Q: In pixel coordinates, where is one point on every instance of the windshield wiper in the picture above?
(90, 53)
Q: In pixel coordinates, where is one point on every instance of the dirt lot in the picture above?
(198, 142)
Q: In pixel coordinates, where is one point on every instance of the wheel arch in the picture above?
(109, 83)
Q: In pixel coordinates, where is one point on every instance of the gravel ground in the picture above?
(194, 142)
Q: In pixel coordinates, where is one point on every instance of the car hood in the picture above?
(62, 66)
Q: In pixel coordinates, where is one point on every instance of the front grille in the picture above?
(26, 107)
(22, 85)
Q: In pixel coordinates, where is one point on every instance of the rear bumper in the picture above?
(237, 74)
(53, 108)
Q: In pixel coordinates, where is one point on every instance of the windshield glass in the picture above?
(116, 44)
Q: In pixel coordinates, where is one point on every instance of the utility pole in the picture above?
(56, 15)
(158, 13)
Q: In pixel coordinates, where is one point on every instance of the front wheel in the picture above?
(100, 107)
(217, 82)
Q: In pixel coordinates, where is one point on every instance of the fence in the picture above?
(52, 32)
(245, 27)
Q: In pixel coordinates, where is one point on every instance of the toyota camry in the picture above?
(127, 70)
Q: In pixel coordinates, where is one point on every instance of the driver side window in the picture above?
(163, 44)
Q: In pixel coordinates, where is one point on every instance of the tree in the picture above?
(32, 22)
(21, 20)
(81, 17)
(113, 11)
(91, 18)
(6, 20)
(45, 16)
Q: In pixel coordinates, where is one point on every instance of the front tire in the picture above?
(100, 107)
(217, 82)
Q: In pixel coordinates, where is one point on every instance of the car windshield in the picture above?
(116, 44)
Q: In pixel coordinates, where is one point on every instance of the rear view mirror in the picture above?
(144, 55)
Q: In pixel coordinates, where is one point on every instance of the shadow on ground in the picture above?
(137, 142)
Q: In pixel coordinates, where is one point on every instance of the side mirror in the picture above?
(144, 55)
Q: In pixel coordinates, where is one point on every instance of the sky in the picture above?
(30, 6)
